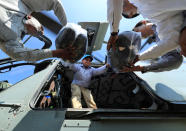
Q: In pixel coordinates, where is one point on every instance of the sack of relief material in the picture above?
(127, 47)
(76, 37)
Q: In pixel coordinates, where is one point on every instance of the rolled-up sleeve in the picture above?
(16, 51)
(114, 14)
(169, 61)
(55, 5)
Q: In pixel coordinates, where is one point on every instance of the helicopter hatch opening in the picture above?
(110, 91)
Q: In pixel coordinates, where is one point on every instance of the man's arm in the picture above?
(16, 51)
(169, 61)
(114, 15)
(55, 5)
(168, 31)
(159, 49)
(100, 70)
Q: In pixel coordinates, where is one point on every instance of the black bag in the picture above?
(127, 47)
(75, 35)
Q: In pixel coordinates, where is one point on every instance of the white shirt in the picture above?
(114, 14)
(82, 76)
(11, 26)
(167, 15)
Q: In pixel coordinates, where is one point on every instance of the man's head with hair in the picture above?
(145, 27)
(129, 10)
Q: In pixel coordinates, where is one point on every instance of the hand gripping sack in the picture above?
(127, 47)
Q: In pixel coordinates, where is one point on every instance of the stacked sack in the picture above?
(127, 47)
(72, 35)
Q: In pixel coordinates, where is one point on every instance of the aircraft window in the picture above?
(50, 97)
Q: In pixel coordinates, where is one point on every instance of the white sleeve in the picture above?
(159, 49)
(114, 14)
(55, 5)
(16, 51)
(169, 32)
(59, 12)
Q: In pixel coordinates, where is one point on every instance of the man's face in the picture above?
(129, 9)
(86, 62)
(145, 29)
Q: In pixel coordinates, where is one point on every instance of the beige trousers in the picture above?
(76, 97)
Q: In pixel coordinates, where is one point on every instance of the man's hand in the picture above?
(66, 54)
(133, 68)
(111, 42)
(134, 61)
(182, 42)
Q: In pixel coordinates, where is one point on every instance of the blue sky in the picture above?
(76, 11)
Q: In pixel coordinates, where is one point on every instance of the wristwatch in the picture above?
(114, 33)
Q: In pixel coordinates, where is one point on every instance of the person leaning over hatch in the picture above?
(115, 11)
(82, 77)
(169, 61)
(15, 19)
(168, 19)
